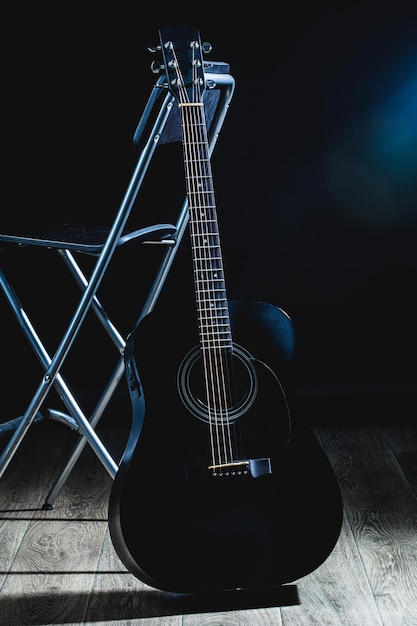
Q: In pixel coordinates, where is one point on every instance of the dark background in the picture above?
(315, 177)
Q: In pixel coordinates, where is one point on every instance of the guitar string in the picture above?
(208, 366)
(198, 269)
(214, 268)
(184, 100)
(203, 200)
(210, 314)
(195, 140)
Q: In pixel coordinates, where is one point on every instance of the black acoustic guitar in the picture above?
(217, 489)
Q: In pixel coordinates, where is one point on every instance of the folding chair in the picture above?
(159, 125)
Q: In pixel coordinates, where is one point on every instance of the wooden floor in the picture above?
(59, 566)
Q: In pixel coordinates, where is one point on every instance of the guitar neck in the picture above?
(210, 288)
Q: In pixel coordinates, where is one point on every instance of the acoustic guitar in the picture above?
(217, 488)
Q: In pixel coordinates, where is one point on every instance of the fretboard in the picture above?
(209, 281)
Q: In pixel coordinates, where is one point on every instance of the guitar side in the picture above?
(178, 526)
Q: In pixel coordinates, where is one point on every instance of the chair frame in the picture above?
(149, 133)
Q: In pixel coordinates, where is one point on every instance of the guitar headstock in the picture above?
(182, 53)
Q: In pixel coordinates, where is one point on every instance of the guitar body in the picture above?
(216, 489)
(174, 524)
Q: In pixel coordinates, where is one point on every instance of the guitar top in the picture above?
(217, 489)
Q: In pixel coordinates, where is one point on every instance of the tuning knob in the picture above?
(156, 67)
(206, 46)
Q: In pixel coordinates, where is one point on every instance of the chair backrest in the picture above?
(216, 98)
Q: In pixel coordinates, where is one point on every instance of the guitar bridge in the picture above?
(246, 468)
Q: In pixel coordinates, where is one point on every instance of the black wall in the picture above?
(315, 172)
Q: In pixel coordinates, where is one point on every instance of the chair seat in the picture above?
(81, 238)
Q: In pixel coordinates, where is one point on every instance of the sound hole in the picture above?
(221, 391)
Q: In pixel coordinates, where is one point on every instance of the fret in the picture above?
(210, 342)
(213, 324)
(214, 334)
(202, 264)
(207, 312)
(213, 304)
(214, 312)
(202, 177)
(197, 144)
(210, 306)
(212, 235)
(207, 257)
(207, 333)
(208, 242)
(211, 309)
(199, 214)
(191, 197)
(208, 345)
(209, 231)
(210, 272)
(216, 284)
(198, 189)
(201, 238)
(203, 214)
(218, 333)
(211, 292)
(211, 316)
(193, 160)
(196, 182)
(210, 320)
(200, 278)
(205, 236)
(211, 251)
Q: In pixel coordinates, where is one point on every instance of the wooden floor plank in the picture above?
(22, 489)
(85, 493)
(60, 546)
(22, 486)
(403, 442)
(247, 617)
(401, 438)
(408, 463)
(53, 571)
(329, 598)
(382, 512)
(11, 536)
(45, 598)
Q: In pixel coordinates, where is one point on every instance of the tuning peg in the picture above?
(156, 67)
(154, 49)
(206, 46)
